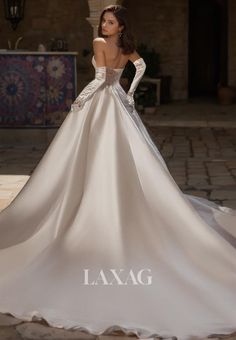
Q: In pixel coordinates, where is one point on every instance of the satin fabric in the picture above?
(102, 198)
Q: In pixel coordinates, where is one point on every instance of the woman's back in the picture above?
(114, 56)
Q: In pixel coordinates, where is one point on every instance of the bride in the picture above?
(101, 238)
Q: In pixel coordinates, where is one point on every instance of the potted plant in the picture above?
(144, 96)
(152, 60)
(226, 94)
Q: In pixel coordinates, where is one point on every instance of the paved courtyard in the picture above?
(193, 113)
(201, 160)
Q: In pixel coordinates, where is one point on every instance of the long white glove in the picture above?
(90, 89)
(140, 66)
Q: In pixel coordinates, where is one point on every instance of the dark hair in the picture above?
(126, 41)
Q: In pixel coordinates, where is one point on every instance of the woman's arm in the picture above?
(140, 66)
(98, 48)
(134, 56)
(100, 76)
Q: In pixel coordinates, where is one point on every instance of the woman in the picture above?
(101, 237)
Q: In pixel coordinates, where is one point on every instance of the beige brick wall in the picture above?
(163, 24)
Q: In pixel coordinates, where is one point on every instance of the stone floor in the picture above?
(16, 329)
(201, 160)
(199, 147)
(193, 113)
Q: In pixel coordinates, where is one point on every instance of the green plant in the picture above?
(146, 93)
(151, 58)
(86, 52)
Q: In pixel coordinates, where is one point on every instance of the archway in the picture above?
(96, 8)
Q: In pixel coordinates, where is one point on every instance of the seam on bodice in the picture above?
(112, 75)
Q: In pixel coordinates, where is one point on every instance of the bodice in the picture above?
(112, 75)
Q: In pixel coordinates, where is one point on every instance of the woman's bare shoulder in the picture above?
(99, 41)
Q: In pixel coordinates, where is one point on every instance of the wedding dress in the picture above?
(101, 238)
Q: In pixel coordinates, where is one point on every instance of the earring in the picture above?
(120, 34)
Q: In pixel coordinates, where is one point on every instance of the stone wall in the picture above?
(46, 19)
(163, 24)
(159, 23)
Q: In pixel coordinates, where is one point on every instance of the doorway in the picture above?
(208, 20)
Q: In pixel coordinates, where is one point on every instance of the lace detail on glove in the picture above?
(90, 89)
(140, 66)
(130, 98)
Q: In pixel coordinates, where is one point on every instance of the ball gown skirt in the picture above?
(101, 237)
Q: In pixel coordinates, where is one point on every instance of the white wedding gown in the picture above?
(102, 199)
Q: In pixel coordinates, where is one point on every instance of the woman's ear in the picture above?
(121, 28)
